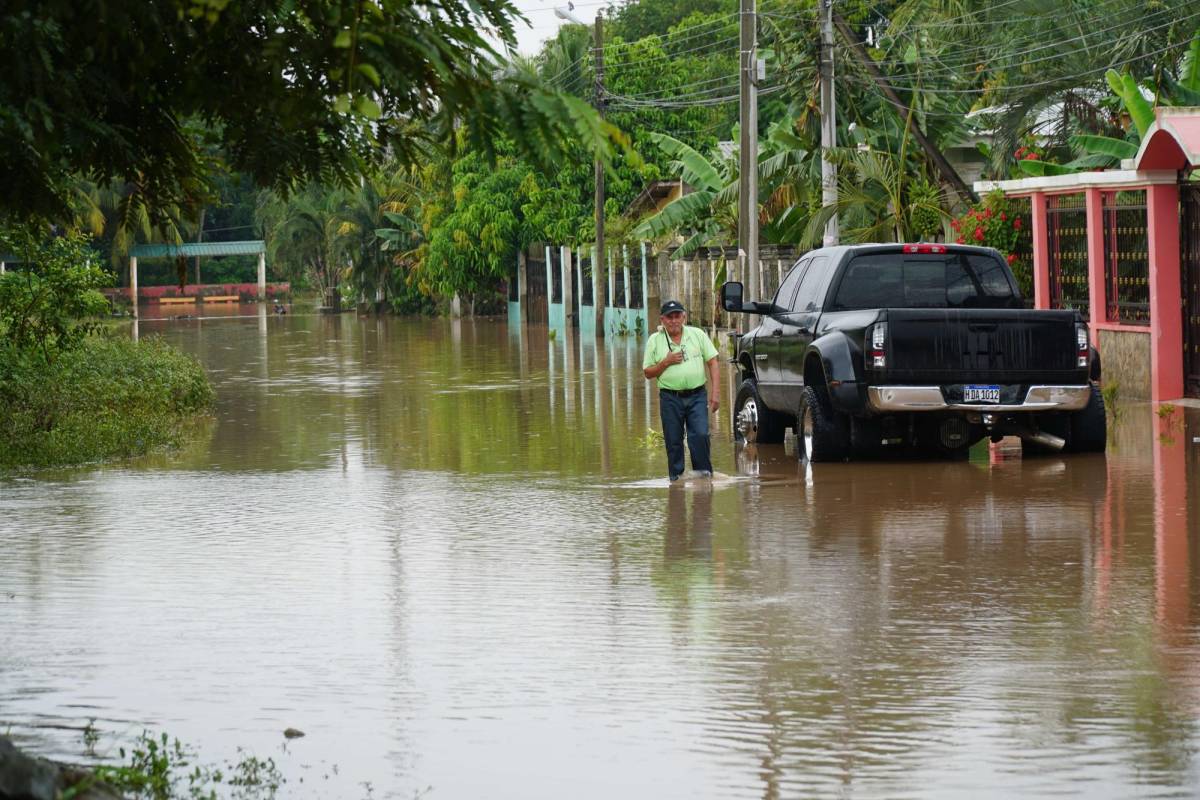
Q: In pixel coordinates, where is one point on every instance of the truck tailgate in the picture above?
(982, 346)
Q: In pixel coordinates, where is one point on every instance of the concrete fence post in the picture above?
(133, 286)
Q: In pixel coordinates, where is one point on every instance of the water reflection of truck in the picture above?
(873, 346)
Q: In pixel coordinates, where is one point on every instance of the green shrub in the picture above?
(50, 303)
(103, 398)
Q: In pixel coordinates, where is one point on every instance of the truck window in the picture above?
(783, 298)
(900, 280)
(808, 299)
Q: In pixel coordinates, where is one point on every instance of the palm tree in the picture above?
(302, 232)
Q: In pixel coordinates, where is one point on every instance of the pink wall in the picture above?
(248, 291)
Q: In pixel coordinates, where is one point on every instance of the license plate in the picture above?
(981, 394)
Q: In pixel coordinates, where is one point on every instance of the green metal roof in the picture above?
(249, 248)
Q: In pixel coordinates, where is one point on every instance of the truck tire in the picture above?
(823, 433)
(1089, 432)
(753, 422)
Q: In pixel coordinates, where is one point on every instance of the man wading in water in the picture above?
(678, 355)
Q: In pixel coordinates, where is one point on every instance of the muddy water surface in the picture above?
(443, 551)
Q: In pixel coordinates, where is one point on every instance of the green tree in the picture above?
(295, 91)
(301, 235)
(48, 305)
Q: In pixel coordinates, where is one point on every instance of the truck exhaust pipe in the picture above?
(1047, 440)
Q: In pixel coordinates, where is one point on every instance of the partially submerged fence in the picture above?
(558, 286)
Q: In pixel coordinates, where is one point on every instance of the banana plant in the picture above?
(1097, 152)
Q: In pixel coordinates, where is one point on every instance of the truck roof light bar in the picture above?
(924, 247)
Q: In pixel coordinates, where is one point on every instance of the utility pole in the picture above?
(598, 265)
(943, 166)
(748, 147)
(829, 193)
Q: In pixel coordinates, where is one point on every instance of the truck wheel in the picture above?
(1089, 434)
(824, 434)
(753, 422)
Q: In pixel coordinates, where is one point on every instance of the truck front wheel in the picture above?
(824, 434)
(754, 423)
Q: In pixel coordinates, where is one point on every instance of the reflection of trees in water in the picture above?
(459, 396)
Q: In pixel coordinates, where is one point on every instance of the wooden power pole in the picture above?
(598, 265)
(748, 148)
(829, 194)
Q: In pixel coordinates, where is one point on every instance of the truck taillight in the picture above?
(924, 248)
(1082, 352)
(877, 353)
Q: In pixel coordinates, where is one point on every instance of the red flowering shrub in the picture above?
(995, 223)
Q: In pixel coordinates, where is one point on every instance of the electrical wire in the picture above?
(969, 61)
(1035, 84)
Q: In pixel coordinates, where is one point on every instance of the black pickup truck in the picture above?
(926, 346)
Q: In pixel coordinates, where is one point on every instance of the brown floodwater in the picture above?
(448, 553)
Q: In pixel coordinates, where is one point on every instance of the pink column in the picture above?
(1097, 291)
(1041, 251)
(1166, 310)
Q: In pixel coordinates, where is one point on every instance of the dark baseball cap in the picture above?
(671, 306)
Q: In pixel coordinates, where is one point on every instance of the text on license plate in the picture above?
(981, 394)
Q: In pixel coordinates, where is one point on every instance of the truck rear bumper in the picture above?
(930, 398)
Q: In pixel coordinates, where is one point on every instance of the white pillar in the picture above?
(595, 279)
(133, 283)
(579, 275)
(568, 280)
(625, 269)
(645, 285)
(262, 276)
(2, 268)
(612, 301)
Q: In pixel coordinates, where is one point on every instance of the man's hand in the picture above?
(714, 403)
(672, 358)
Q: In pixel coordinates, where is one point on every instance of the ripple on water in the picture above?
(465, 587)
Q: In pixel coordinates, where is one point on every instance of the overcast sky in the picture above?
(540, 14)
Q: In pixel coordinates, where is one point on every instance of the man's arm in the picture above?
(714, 379)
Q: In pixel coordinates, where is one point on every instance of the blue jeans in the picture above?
(678, 413)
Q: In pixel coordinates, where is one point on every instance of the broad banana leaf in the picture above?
(1180, 95)
(1039, 169)
(694, 168)
(688, 211)
(693, 243)
(1189, 68)
(1091, 161)
(1104, 146)
(1139, 108)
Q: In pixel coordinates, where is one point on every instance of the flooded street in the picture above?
(448, 553)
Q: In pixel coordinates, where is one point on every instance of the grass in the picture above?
(162, 768)
(106, 398)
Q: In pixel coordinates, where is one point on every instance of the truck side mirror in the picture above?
(731, 296)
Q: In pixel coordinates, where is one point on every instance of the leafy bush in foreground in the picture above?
(103, 398)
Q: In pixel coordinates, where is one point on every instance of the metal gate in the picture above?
(1189, 246)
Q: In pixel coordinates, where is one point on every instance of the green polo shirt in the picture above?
(689, 373)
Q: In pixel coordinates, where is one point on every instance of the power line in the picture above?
(1036, 84)
(949, 66)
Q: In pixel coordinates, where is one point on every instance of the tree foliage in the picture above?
(49, 304)
(295, 91)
